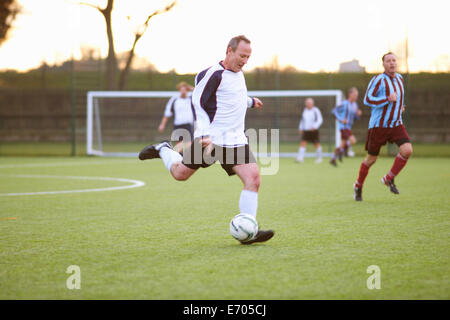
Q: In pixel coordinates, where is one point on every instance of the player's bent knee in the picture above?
(370, 160)
(180, 177)
(407, 153)
(406, 150)
(181, 173)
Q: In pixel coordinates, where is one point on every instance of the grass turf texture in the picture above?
(170, 240)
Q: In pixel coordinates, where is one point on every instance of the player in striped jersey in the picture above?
(180, 107)
(346, 113)
(220, 100)
(350, 152)
(384, 96)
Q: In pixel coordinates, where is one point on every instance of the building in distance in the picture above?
(351, 66)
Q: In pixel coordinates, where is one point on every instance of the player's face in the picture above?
(390, 63)
(353, 96)
(239, 58)
(183, 91)
(309, 103)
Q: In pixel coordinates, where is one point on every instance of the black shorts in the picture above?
(311, 136)
(198, 157)
(177, 135)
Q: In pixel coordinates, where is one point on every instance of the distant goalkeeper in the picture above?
(180, 107)
(309, 129)
(346, 114)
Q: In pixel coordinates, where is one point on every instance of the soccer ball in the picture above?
(243, 227)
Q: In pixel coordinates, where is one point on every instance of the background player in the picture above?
(309, 129)
(346, 113)
(180, 107)
(220, 101)
(385, 96)
(350, 152)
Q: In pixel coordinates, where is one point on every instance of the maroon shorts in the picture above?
(377, 137)
(346, 133)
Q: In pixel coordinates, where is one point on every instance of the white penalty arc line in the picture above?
(60, 164)
(134, 184)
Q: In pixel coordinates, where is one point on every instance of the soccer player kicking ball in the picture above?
(385, 96)
(346, 113)
(220, 102)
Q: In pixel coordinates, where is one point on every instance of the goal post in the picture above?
(92, 111)
(121, 117)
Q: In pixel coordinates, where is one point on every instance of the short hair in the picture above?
(182, 84)
(234, 42)
(350, 90)
(386, 54)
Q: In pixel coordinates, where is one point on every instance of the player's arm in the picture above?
(163, 123)
(358, 113)
(168, 112)
(376, 95)
(301, 126)
(319, 119)
(338, 113)
(253, 102)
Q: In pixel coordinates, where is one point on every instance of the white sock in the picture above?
(169, 157)
(319, 152)
(349, 146)
(248, 203)
(301, 153)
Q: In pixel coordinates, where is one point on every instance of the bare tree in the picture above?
(137, 35)
(8, 12)
(111, 60)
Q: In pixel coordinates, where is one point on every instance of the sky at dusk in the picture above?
(308, 35)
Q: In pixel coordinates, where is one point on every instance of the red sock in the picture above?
(336, 153)
(398, 165)
(363, 171)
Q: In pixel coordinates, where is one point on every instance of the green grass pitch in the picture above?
(170, 240)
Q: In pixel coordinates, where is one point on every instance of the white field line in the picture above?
(134, 184)
(60, 164)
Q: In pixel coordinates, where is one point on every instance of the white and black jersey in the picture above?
(181, 109)
(311, 119)
(220, 102)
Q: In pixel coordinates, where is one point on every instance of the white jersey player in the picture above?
(309, 129)
(220, 101)
(180, 108)
(221, 115)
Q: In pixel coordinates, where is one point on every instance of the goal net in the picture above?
(121, 123)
